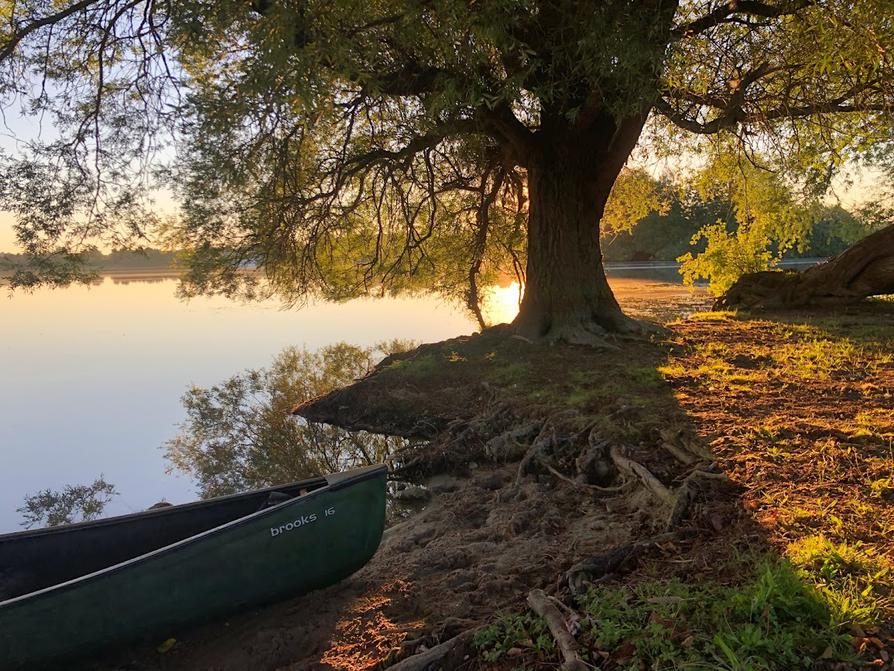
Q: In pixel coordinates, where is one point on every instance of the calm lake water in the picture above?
(92, 376)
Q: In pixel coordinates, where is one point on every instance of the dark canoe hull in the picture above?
(303, 544)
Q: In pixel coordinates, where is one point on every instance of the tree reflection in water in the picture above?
(240, 434)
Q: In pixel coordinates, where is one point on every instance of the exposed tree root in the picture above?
(680, 441)
(595, 489)
(683, 456)
(629, 326)
(545, 607)
(493, 434)
(509, 445)
(685, 494)
(539, 444)
(678, 500)
(600, 567)
(643, 474)
(581, 333)
(599, 332)
(545, 440)
(549, 447)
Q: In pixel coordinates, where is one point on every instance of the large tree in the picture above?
(345, 145)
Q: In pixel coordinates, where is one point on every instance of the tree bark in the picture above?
(864, 269)
(567, 296)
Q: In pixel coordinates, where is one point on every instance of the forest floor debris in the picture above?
(777, 430)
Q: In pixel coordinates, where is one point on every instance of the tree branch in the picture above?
(733, 112)
(513, 131)
(21, 33)
(727, 11)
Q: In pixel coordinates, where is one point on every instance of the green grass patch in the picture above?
(715, 316)
(775, 619)
(854, 580)
(822, 359)
(644, 376)
(419, 366)
(509, 373)
(526, 633)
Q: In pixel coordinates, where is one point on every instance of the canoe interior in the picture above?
(34, 560)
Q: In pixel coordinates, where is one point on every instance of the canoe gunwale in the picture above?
(333, 482)
(157, 512)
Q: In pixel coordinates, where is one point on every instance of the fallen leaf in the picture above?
(167, 645)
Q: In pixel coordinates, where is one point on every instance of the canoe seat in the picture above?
(275, 499)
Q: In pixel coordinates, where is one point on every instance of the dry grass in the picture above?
(800, 411)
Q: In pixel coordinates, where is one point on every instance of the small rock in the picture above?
(745, 361)
(491, 482)
(423, 534)
(413, 493)
(442, 483)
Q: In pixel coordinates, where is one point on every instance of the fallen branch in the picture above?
(866, 268)
(443, 656)
(545, 607)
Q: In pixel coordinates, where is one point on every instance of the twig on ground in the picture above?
(545, 607)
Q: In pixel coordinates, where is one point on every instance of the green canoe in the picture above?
(82, 589)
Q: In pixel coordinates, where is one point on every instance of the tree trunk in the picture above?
(864, 269)
(566, 295)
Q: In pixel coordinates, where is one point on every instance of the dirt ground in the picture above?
(797, 411)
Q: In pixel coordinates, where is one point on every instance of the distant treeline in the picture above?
(666, 236)
(117, 259)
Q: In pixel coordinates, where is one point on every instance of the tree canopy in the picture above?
(345, 147)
